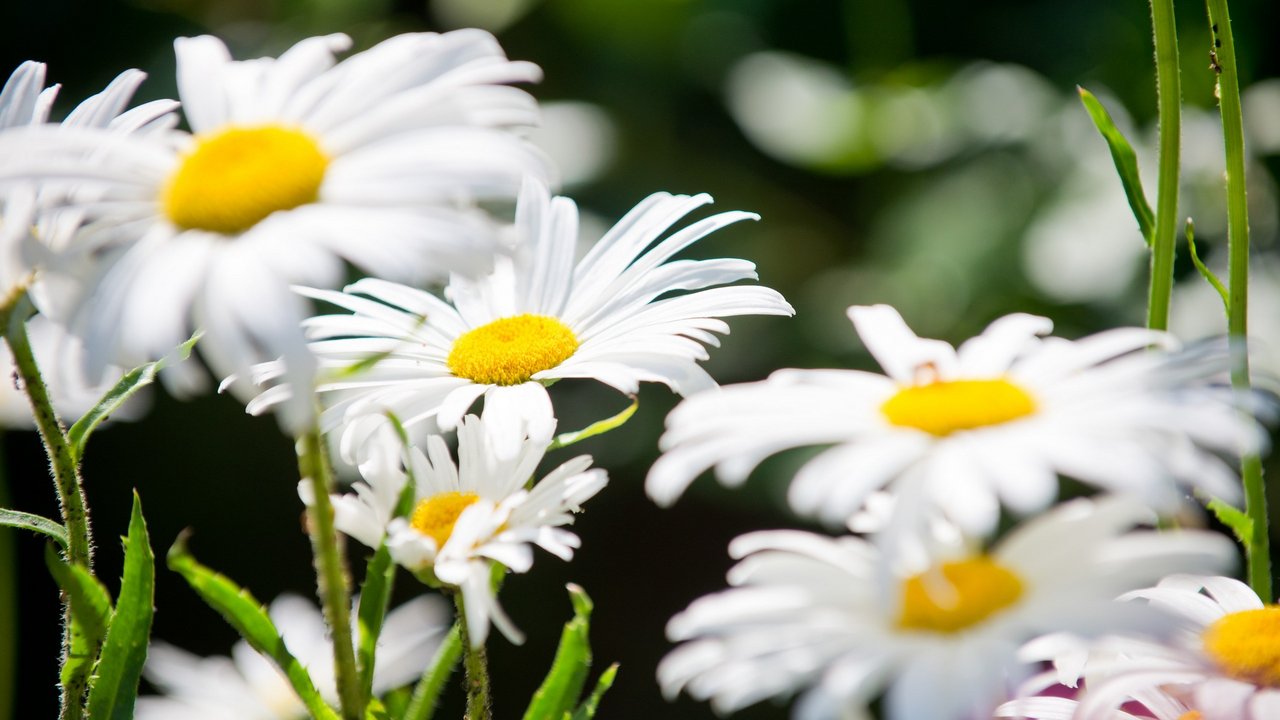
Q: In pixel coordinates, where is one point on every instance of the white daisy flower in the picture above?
(483, 508)
(1223, 662)
(296, 164)
(249, 686)
(1160, 706)
(963, 429)
(538, 318)
(839, 621)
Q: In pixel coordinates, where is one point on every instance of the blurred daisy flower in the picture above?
(958, 430)
(248, 685)
(839, 621)
(1158, 706)
(1223, 662)
(294, 164)
(466, 515)
(537, 318)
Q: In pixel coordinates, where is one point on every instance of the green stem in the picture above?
(8, 610)
(332, 576)
(476, 661)
(67, 482)
(425, 696)
(1258, 548)
(1168, 88)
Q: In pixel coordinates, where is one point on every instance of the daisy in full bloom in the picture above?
(1222, 664)
(539, 317)
(841, 622)
(293, 165)
(249, 686)
(467, 514)
(958, 430)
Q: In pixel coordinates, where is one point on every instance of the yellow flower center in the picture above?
(957, 595)
(436, 515)
(509, 351)
(1191, 715)
(1246, 645)
(233, 179)
(941, 408)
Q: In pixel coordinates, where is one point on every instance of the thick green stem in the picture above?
(1223, 58)
(66, 476)
(332, 576)
(476, 661)
(1169, 90)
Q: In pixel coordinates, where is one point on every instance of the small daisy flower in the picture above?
(1224, 662)
(538, 318)
(249, 686)
(295, 164)
(469, 513)
(839, 621)
(962, 429)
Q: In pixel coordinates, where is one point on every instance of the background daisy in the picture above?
(961, 430)
(537, 318)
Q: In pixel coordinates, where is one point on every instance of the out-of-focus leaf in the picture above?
(113, 692)
(36, 523)
(587, 710)
(563, 685)
(1126, 161)
(119, 394)
(90, 601)
(596, 428)
(1205, 272)
(250, 619)
(1234, 518)
(425, 696)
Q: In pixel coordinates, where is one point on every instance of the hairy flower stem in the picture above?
(333, 579)
(65, 469)
(476, 661)
(1169, 91)
(1223, 57)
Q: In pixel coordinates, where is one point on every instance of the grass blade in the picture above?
(1126, 161)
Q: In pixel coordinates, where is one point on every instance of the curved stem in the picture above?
(476, 661)
(1224, 62)
(332, 576)
(1169, 90)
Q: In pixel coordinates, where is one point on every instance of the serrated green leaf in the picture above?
(1205, 272)
(119, 394)
(596, 428)
(112, 694)
(587, 710)
(427, 693)
(563, 685)
(1126, 161)
(90, 600)
(35, 523)
(250, 619)
(1234, 518)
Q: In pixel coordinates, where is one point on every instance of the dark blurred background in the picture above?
(930, 155)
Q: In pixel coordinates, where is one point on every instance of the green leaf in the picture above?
(36, 523)
(90, 601)
(1205, 272)
(124, 651)
(427, 693)
(596, 428)
(1126, 163)
(1240, 523)
(250, 619)
(119, 394)
(587, 710)
(563, 685)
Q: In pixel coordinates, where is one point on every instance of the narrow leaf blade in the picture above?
(563, 685)
(35, 523)
(1240, 523)
(1205, 272)
(90, 600)
(587, 710)
(599, 427)
(1126, 161)
(427, 693)
(124, 650)
(250, 619)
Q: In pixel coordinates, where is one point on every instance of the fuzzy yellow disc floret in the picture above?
(510, 350)
(941, 408)
(957, 595)
(1246, 645)
(436, 515)
(233, 179)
